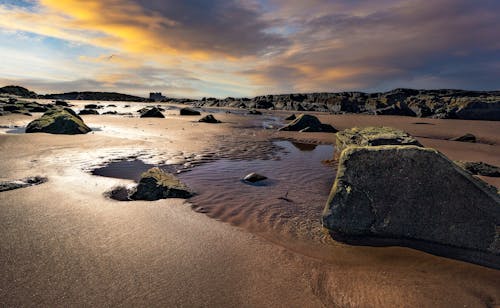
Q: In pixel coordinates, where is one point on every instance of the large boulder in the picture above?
(152, 113)
(373, 136)
(58, 121)
(189, 111)
(308, 123)
(156, 184)
(409, 193)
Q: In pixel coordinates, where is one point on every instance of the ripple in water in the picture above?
(290, 201)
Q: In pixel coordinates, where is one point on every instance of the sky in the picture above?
(220, 48)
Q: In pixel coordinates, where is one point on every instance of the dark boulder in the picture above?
(465, 138)
(254, 177)
(308, 123)
(209, 119)
(58, 121)
(156, 184)
(92, 106)
(110, 112)
(61, 103)
(88, 111)
(26, 182)
(152, 113)
(189, 111)
(480, 168)
(414, 195)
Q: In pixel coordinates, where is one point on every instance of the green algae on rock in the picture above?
(58, 121)
(156, 184)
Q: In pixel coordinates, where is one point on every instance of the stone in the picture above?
(209, 119)
(254, 112)
(373, 136)
(415, 194)
(92, 106)
(156, 184)
(189, 111)
(58, 121)
(26, 182)
(61, 103)
(152, 113)
(88, 111)
(308, 123)
(254, 177)
(465, 138)
(480, 168)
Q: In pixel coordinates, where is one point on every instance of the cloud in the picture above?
(249, 47)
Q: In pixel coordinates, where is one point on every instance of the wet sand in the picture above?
(63, 243)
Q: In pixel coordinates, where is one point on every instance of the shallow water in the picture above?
(290, 201)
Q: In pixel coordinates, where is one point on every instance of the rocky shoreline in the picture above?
(442, 104)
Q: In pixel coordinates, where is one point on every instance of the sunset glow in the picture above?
(248, 47)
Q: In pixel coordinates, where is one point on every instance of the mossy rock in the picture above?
(58, 121)
(156, 184)
(373, 136)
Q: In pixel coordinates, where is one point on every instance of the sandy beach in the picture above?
(64, 243)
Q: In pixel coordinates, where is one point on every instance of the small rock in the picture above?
(209, 119)
(189, 111)
(30, 181)
(61, 103)
(254, 177)
(465, 138)
(88, 111)
(152, 113)
(254, 112)
(480, 168)
(308, 123)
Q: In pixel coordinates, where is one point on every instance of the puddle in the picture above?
(290, 200)
(13, 129)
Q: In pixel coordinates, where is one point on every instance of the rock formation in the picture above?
(308, 123)
(58, 121)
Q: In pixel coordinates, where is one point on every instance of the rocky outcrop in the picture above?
(189, 111)
(58, 121)
(152, 113)
(308, 123)
(373, 136)
(209, 119)
(415, 194)
(21, 106)
(156, 184)
(480, 168)
(447, 104)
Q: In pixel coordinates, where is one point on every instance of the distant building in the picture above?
(156, 96)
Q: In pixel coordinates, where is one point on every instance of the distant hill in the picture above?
(94, 96)
(18, 91)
